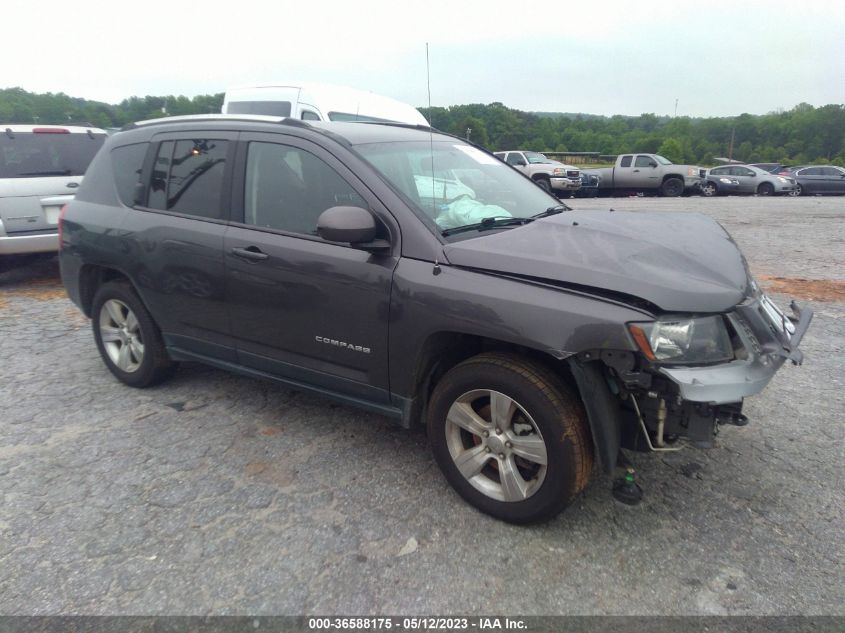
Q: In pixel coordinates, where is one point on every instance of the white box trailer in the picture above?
(319, 102)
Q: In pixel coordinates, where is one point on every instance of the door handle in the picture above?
(252, 253)
(72, 185)
(637, 170)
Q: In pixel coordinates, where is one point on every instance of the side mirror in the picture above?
(654, 165)
(519, 163)
(352, 225)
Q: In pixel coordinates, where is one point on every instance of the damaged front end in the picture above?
(690, 376)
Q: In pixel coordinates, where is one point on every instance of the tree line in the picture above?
(803, 134)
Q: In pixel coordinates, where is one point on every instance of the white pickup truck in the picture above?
(551, 175)
(647, 173)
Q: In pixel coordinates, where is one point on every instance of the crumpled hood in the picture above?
(681, 262)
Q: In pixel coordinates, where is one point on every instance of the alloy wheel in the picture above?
(121, 335)
(496, 445)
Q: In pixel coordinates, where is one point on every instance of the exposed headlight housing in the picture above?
(685, 341)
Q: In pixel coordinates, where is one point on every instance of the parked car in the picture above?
(41, 167)
(551, 175)
(752, 180)
(528, 338)
(647, 173)
(818, 180)
(718, 185)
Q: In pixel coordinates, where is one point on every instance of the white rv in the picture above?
(319, 102)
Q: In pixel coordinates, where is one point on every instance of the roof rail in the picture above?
(187, 118)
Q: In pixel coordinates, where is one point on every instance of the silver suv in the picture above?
(40, 168)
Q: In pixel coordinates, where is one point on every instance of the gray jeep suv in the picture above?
(530, 339)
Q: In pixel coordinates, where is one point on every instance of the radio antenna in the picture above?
(430, 136)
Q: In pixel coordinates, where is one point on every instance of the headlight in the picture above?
(701, 340)
(782, 179)
(558, 171)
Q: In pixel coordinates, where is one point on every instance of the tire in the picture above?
(133, 349)
(766, 189)
(799, 190)
(544, 184)
(672, 187)
(709, 189)
(541, 418)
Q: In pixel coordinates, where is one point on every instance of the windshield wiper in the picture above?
(487, 223)
(558, 208)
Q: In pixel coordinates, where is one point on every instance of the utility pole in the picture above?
(676, 108)
(731, 148)
(469, 131)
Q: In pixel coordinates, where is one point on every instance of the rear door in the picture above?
(303, 308)
(834, 180)
(174, 239)
(37, 166)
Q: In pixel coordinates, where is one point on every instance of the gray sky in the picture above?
(717, 58)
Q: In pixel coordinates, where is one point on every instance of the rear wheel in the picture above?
(765, 189)
(510, 437)
(672, 187)
(128, 339)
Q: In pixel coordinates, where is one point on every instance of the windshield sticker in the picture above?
(477, 155)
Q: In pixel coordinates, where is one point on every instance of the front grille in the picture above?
(573, 173)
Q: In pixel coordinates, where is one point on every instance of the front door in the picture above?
(302, 308)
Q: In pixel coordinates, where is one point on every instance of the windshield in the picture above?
(536, 157)
(30, 155)
(661, 160)
(451, 184)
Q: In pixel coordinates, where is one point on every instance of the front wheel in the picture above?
(544, 184)
(765, 189)
(672, 187)
(798, 191)
(128, 339)
(510, 437)
(708, 189)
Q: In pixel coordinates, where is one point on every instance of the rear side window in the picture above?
(127, 163)
(626, 161)
(188, 177)
(39, 154)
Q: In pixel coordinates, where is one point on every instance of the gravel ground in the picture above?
(217, 494)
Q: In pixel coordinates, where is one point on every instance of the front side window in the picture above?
(515, 159)
(644, 161)
(287, 188)
(810, 171)
(308, 115)
(719, 171)
(188, 177)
